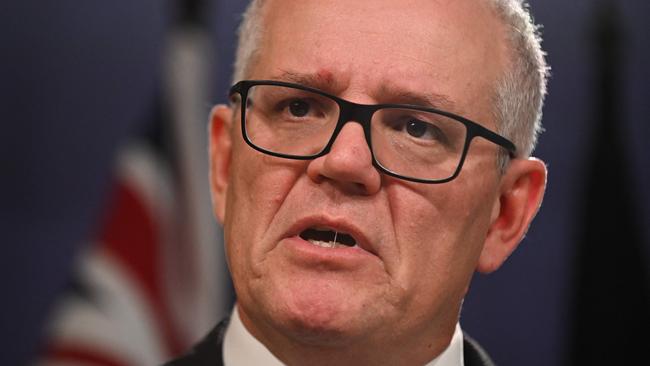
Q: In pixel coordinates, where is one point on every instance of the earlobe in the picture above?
(220, 153)
(521, 193)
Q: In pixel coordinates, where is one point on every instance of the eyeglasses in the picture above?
(414, 143)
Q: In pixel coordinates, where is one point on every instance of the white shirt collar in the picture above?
(241, 348)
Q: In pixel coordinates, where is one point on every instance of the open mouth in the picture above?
(328, 238)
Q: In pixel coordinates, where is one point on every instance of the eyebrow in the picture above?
(423, 99)
(388, 93)
(322, 81)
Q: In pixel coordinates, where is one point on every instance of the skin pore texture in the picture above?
(396, 297)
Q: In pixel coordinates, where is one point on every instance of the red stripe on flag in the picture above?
(78, 354)
(131, 236)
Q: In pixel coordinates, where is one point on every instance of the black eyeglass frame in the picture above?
(362, 114)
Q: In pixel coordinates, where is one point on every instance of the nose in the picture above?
(348, 163)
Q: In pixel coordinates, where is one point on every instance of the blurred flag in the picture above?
(153, 281)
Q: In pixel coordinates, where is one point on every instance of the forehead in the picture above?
(445, 47)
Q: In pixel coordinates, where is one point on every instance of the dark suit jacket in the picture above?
(208, 352)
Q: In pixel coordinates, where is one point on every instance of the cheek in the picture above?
(256, 192)
(440, 230)
(259, 185)
(258, 189)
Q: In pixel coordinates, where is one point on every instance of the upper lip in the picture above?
(342, 225)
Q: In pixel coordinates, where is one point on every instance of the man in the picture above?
(360, 180)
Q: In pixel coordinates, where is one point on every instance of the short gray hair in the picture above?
(250, 35)
(518, 97)
(520, 93)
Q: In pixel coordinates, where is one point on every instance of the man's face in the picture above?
(417, 244)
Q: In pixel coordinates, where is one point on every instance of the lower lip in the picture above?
(307, 253)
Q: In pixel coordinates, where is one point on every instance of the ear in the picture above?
(220, 153)
(521, 192)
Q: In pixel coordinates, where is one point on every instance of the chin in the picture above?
(325, 315)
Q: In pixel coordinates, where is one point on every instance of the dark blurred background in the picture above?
(78, 79)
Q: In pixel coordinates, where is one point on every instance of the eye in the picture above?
(299, 108)
(424, 130)
(416, 128)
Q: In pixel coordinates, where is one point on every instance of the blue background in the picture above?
(77, 78)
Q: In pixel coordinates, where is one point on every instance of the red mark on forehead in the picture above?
(325, 76)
